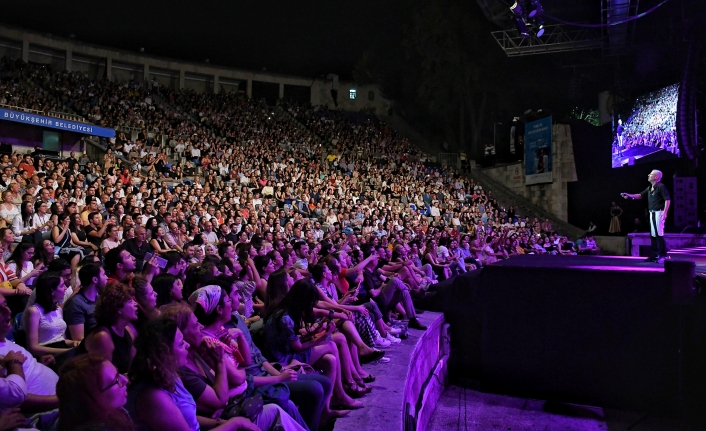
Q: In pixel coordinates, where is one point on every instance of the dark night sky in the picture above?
(308, 38)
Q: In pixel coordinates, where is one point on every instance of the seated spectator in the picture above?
(115, 312)
(43, 321)
(92, 395)
(20, 262)
(111, 239)
(209, 376)
(169, 289)
(120, 264)
(588, 246)
(22, 225)
(79, 309)
(158, 243)
(389, 294)
(310, 392)
(291, 336)
(138, 247)
(146, 298)
(158, 400)
(38, 393)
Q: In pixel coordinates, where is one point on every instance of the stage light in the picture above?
(536, 9)
(540, 28)
(517, 11)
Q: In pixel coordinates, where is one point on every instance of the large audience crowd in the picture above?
(224, 270)
(653, 122)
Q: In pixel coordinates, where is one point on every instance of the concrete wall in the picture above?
(10, 48)
(612, 245)
(123, 65)
(553, 197)
(321, 95)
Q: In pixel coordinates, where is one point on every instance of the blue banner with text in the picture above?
(55, 123)
(538, 151)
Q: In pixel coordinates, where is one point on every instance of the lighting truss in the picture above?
(556, 38)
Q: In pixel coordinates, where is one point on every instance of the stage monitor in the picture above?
(647, 130)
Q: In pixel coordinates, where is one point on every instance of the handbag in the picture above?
(244, 406)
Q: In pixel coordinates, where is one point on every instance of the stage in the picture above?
(593, 330)
(636, 154)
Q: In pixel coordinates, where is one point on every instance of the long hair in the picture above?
(46, 284)
(79, 408)
(26, 215)
(276, 290)
(154, 361)
(299, 304)
(41, 254)
(163, 284)
(140, 283)
(17, 255)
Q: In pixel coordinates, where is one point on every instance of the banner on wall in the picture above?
(55, 123)
(514, 174)
(538, 151)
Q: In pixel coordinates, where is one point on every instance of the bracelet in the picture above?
(13, 362)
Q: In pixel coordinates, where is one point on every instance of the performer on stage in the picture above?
(658, 204)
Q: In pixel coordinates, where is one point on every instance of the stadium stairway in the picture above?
(503, 194)
(523, 206)
(291, 119)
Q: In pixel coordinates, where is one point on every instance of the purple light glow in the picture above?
(619, 268)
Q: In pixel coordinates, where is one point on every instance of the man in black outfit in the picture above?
(658, 204)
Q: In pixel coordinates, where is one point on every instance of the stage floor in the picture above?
(637, 153)
(594, 263)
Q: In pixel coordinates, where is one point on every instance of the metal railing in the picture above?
(53, 114)
(450, 159)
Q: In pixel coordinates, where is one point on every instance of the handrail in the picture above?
(53, 114)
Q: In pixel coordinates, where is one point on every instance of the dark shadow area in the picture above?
(582, 330)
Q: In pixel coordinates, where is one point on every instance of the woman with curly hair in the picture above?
(91, 395)
(116, 310)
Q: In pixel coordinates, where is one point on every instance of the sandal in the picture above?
(369, 379)
(354, 391)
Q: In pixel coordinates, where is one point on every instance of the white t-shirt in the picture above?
(40, 379)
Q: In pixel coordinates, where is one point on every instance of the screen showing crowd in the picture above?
(649, 127)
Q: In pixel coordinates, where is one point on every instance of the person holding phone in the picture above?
(290, 335)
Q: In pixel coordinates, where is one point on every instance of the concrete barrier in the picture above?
(407, 388)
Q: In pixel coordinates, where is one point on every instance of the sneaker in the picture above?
(394, 330)
(382, 342)
(392, 339)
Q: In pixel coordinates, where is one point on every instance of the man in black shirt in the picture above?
(658, 202)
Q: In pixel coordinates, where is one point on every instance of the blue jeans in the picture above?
(309, 392)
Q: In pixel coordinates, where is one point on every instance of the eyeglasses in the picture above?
(119, 380)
